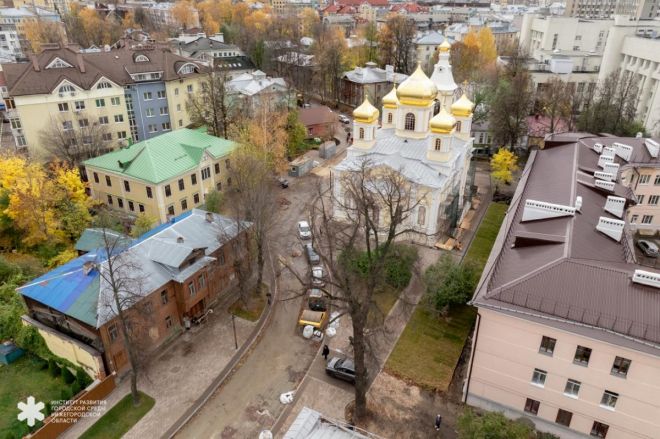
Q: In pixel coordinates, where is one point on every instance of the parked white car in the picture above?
(304, 231)
(343, 119)
(318, 276)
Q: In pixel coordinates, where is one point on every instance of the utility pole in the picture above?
(233, 325)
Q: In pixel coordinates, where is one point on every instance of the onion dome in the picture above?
(445, 46)
(390, 100)
(417, 89)
(462, 107)
(365, 113)
(443, 122)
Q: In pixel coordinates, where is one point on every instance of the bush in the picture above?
(492, 425)
(53, 368)
(65, 394)
(449, 283)
(75, 388)
(83, 378)
(67, 376)
(213, 201)
(398, 266)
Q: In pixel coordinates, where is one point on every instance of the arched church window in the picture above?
(361, 133)
(436, 107)
(421, 215)
(410, 122)
(389, 117)
(458, 126)
(438, 144)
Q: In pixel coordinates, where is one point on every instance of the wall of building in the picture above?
(177, 96)
(507, 353)
(645, 215)
(149, 97)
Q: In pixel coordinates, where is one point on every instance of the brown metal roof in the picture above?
(565, 272)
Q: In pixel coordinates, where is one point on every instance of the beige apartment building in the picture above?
(164, 176)
(568, 328)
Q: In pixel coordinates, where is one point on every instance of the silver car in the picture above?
(304, 231)
(647, 247)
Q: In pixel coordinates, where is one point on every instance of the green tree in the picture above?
(213, 201)
(490, 425)
(449, 283)
(503, 164)
(143, 223)
(296, 133)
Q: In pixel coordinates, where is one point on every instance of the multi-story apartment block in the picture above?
(177, 271)
(160, 14)
(163, 176)
(59, 6)
(18, 17)
(10, 43)
(426, 46)
(637, 9)
(137, 90)
(568, 326)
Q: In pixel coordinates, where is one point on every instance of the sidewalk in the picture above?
(169, 378)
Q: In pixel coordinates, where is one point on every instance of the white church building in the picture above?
(424, 134)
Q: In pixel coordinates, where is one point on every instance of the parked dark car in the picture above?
(312, 256)
(316, 300)
(649, 248)
(342, 368)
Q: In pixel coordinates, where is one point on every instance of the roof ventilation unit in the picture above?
(653, 147)
(598, 147)
(611, 227)
(603, 159)
(609, 152)
(538, 210)
(647, 278)
(615, 205)
(623, 151)
(603, 176)
(611, 168)
(578, 203)
(607, 185)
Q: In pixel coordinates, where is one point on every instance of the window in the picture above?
(188, 68)
(227, 164)
(100, 103)
(609, 400)
(217, 168)
(112, 332)
(163, 111)
(229, 182)
(121, 134)
(184, 204)
(640, 199)
(421, 215)
(564, 417)
(582, 356)
(149, 194)
(170, 209)
(153, 128)
(547, 345)
(438, 144)
(166, 126)
(189, 88)
(120, 202)
(620, 367)
(119, 118)
(218, 186)
(180, 122)
(176, 91)
(147, 96)
(191, 289)
(150, 112)
(108, 182)
(115, 101)
(193, 178)
(16, 124)
(410, 122)
(96, 177)
(653, 200)
(644, 179)
(83, 123)
(106, 136)
(67, 89)
(206, 173)
(103, 120)
(63, 107)
(458, 126)
(202, 280)
(599, 429)
(389, 117)
(161, 94)
(182, 186)
(110, 200)
(104, 84)
(178, 107)
(196, 199)
(538, 377)
(127, 186)
(67, 125)
(572, 388)
(656, 181)
(141, 58)
(168, 322)
(131, 206)
(20, 140)
(634, 219)
(532, 406)
(141, 207)
(647, 219)
(361, 135)
(168, 190)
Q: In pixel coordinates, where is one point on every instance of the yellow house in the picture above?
(163, 176)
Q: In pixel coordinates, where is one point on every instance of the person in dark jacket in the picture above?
(326, 351)
(438, 421)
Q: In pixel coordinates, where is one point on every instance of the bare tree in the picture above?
(74, 141)
(122, 296)
(212, 106)
(510, 105)
(397, 40)
(355, 229)
(556, 102)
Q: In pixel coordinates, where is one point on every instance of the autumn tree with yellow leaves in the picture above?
(40, 32)
(184, 13)
(46, 205)
(503, 164)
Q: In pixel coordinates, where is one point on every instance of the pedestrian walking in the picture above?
(438, 421)
(326, 351)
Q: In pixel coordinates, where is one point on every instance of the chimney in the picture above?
(179, 240)
(611, 227)
(209, 217)
(35, 63)
(646, 278)
(615, 205)
(81, 62)
(389, 73)
(88, 267)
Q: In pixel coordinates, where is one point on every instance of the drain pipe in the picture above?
(472, 353)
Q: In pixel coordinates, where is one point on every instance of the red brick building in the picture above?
(319, 121)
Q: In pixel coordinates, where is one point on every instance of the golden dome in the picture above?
(443, 122)
(417, 90)
(365, 113)
(390, 100)
(445, 46)
(462, 107)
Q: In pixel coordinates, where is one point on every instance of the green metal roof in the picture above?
(163, 157)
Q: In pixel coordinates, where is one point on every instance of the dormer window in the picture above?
(187, 68)
(104, 84)
(141, 58)
(57, 63)
(67, 89)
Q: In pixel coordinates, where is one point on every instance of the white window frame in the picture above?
(539, 377)
(572, 388)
